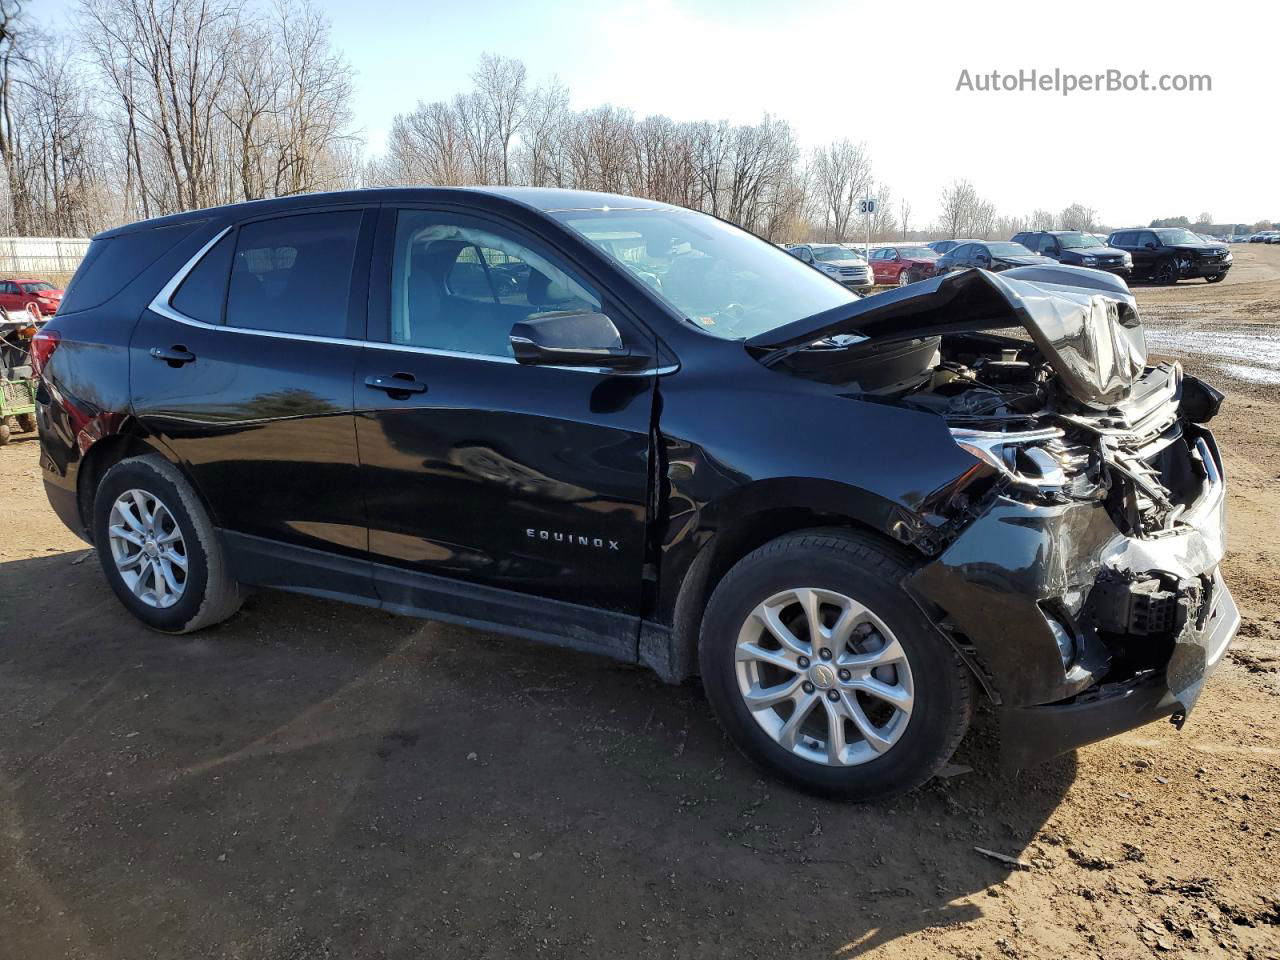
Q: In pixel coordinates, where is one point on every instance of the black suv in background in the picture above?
(1078, 249)
(1169, 254)
(633, 429)
(989, 255)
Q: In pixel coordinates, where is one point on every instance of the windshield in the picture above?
(38, 287)
(1008, 250)
(830, 254)
(918, 253)
(725, 280)
(1177, 236)
(1078, 241)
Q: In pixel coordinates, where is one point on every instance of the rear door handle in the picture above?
(396, 383)
(175, 356)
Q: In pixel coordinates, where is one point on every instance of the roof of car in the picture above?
(21, 280)
(545, 199)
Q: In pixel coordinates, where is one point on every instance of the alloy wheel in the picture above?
(824, 677)
(904, 278)
(148, 549)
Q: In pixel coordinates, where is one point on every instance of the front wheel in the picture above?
(904, 278)
(159, 550)
(824, 671)
(27, 422)
(1216, 278)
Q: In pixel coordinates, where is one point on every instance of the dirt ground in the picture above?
(313, 780)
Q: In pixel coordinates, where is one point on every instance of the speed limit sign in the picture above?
(867, 205)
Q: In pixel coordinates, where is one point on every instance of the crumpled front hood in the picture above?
(1085, 322)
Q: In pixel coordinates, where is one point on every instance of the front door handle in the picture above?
(174, 356)
(397, 383)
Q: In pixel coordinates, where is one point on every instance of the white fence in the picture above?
(37, 256)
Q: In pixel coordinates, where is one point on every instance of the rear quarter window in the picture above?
(112, 263)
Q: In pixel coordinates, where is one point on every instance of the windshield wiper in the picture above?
(844, 340)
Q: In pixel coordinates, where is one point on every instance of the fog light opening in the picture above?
(1062, 635)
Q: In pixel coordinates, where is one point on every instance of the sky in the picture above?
(886, 74)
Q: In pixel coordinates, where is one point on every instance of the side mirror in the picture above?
(569, 339)
(1149, 245)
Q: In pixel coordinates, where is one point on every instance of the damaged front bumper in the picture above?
(1078, 630)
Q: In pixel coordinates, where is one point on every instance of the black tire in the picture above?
(1166, 273)
(210, 595)
(5, 432)
(27, 422)
(865, 570)
(1216, 278)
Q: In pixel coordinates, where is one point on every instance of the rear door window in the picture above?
(293, 274)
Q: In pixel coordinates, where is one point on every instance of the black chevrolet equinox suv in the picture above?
(633, 429)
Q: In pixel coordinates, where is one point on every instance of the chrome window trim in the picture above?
(161, 304)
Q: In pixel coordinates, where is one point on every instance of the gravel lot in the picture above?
(314, 780)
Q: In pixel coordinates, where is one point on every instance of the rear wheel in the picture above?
(1166, 272)
(158, 548)
(6, 432)
(904, 277)
(824, 671)
(27, 422)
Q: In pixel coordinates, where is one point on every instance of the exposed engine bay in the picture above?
(1063, 409)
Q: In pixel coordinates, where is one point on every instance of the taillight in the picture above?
(42, 346)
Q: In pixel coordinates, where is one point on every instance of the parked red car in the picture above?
(902, 265)
(16, 293)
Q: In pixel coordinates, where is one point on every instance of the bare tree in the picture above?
(904, 214)
(501, 104)
(841, 175)
(214, 101)
(959, 201)
(982, 220)
(541, 157)
(1041, 220)
(1078, 217)
(12, 58)
(884, 224)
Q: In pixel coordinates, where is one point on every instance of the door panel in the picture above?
(525, 478)
(263, 419)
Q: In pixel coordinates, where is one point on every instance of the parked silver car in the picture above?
(841, 263)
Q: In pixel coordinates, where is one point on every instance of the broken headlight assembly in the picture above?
(1042, 461)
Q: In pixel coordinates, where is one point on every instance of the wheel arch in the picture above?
(739, 524)
(130, 440)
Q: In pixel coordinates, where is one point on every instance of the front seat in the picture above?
(548, 296)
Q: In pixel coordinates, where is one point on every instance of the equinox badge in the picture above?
(557, 536)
